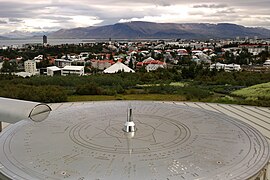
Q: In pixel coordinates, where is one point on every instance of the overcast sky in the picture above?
(49, 15)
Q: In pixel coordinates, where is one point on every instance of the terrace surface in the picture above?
(258, 117)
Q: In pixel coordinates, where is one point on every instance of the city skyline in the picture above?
(43, 15)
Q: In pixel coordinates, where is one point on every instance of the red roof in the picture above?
(104, 61)
(140, 64)
(150, 62)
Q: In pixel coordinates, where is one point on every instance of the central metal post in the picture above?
(130, 115)
(129, 125)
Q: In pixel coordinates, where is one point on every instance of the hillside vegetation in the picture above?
(256, 92)
(166, 85)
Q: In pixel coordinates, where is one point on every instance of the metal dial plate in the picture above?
(171, 142)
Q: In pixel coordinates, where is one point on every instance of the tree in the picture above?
(111, 57)
(229, 57)
(9, 66)
(245, 56)
(130, 64)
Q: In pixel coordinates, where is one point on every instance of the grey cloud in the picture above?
(227, 11)
(201, 6)
(3, 22)
(194, 13)
(213, 6)
(14, 20)
(15, 10)
(56, 18)
(23, 10)
(161, 3)
(252, 3)
(53, 28)
(218, 5)
(111, 11)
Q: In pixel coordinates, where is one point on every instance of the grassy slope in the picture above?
(255, 92)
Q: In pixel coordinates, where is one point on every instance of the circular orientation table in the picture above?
(170, 142)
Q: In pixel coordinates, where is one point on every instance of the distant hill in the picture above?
(23, 34)
(145, 30)
(2, 37)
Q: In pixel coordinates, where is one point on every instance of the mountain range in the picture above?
(145, 30)
(22, 34)
(150, 30)
(2, 38)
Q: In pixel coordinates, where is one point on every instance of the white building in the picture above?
(266, 63)
(1, 65)
(232, 67)
(225, 67)
(78, 70)
(118, 67)
(153, 67)
(38, 58)
(23, 74)
(30, 67)
(83, 55)
(53, 70)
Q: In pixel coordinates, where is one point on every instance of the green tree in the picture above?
(9, 66)
(130, 63)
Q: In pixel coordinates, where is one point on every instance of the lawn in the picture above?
(258, 95)
(259, 91)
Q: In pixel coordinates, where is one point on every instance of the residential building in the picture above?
(54, 70)
(154, 64)
(23, 74)
(101, 64)
(77, 70)
(83, 55)
(232, 67)
(225, 67)
(267, 63)
(30, 67)
(62, 63)
(153, 67)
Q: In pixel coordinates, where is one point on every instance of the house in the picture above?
(62, 62)
(101, 64)
(232, 67)
(83, 55)
(266, 63)
(225, 67)
(150, 60)
(38, 58)
(196, 52)
(78, 70)
(53, 70)
(201, 57)
(182, 52)
(118, 67)
(217, 66)
(153, 67)
(23, 74)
